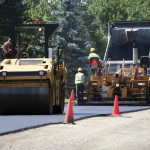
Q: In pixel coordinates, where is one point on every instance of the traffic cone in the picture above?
(72, 94)
(69, 113)
(116, 111)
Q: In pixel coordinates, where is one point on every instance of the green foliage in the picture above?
(73, 35)
(41, 9)
(109, 10)
(96, 33)
(12, 12)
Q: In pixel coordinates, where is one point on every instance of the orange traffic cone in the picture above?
(69, 113)
(72, 94)
(116, 107)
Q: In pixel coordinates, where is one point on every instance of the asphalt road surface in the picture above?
(130, 131)
(11, 124)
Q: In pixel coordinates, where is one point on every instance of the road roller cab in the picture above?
(31, 85)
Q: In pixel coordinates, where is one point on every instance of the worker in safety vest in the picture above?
(79, 81)
(93, 54)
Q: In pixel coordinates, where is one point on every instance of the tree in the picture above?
(12, 12)
(95, 31)
(107, 11)
(73, 35)
(44, 10)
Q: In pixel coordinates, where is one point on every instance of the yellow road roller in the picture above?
(31, 85)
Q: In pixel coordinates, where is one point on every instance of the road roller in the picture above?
(31, 85)
(126, 66)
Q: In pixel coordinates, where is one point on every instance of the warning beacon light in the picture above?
(37, 21)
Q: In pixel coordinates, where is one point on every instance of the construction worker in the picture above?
(79, 81)
(6, 48)
(33, 54)
(93, 54)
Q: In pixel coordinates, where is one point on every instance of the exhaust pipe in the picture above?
(135, 54)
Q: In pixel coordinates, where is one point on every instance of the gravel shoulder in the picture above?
(127, 132)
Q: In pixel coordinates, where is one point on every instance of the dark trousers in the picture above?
(79, 89)
(94, 72)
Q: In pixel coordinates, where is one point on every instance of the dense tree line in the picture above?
(12, 12)
(84, 24)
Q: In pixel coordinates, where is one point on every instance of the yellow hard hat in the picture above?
(80, 69)
(92, 50)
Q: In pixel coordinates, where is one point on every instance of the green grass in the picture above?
(67, 100)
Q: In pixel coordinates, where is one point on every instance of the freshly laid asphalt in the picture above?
(17, 123)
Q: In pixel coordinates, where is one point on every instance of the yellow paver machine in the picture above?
(31, 85)
(126, 66)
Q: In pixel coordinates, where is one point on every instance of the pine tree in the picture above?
(73, 35)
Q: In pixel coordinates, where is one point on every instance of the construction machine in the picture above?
(31, 85)
(126, 67)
